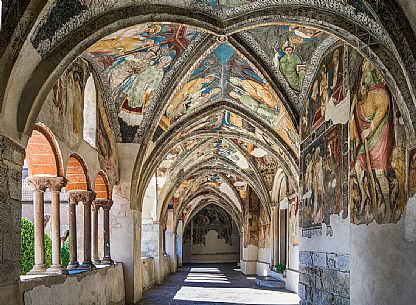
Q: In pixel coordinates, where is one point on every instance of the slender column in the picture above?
(39, 186)
(55, 187)
(106, 209)
(95, 208)
(87, 201)
(73, 259)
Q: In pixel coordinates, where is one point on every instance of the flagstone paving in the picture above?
(214, 284)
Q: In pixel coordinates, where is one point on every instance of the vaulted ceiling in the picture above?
(212, 90)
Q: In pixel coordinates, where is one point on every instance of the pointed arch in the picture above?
(77, 174)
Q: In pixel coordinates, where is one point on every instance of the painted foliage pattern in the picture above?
(223, 73)
(377, 174)
(135, 61)
(291, 48)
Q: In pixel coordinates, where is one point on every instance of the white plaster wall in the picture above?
(103, 286)
(249, 260)
(264, 261)
(216, 250)
(292, 271)
(382, 265)
(337, 243)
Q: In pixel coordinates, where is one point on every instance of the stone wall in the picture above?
(148, 272)
(102, 286)
(324, 278)
(11, 162)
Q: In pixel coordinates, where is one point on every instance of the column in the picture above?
(73, 259)
(87, 200)
(56, 184)
(95, 209)
(106, 209)
(39, 186)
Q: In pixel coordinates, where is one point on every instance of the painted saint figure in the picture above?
(290, 64)
(371, 136)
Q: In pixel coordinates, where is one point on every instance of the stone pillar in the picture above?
(39, 185)
(73, 259)
(95, 209)
(56, 184)
(106, 223)
(11, 162)
(86, 197)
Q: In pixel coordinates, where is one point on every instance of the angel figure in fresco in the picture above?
(290, 64)
(255, 106)
(196, 91)
(127, 40)
(142, 85)
(257, 91)
(371, 136)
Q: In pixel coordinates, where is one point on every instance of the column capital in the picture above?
(86, 197)
(106, 204)
(57, 183)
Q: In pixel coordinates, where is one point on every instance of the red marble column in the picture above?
(106, 209)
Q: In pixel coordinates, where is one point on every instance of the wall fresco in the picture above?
(377, 172)
(412, 173)
(328, 99)
(321, 184)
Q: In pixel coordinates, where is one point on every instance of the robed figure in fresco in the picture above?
(373, 177)
(290, 64)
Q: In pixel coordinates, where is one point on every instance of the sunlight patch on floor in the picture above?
(236, 296)
(209, 276)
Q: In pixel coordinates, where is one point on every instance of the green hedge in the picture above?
(27, 248)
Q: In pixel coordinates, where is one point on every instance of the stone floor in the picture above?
(214, 284)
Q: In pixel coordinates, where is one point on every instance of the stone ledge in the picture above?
(28, 282)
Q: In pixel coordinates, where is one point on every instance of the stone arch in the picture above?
(101, 186)
(42, 153)
(77, 174)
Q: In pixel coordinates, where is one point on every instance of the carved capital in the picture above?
(57, 183)
(41, 183)
(86, 197)
(106, 204)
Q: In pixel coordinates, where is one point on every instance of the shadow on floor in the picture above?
(214, 284)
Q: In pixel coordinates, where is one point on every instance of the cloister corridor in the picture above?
(207, 152)
(214, 284)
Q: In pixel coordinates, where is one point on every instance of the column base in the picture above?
(87, 266)
(72, 265)
(107, 261)
(96, 261)
(57, 269)
(37, 269)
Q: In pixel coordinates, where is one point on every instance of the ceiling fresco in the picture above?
(136, 59)
(290, 48)
(224, 74)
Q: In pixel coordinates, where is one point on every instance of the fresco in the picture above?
(294, 221)
(223, 73)
(377, 172)
(321, 184)
(290, 47)
(412, 173)
(327, 100)
(136, 60)
(264, 229)
(251, 219)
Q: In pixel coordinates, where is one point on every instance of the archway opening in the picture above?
(211, 236)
